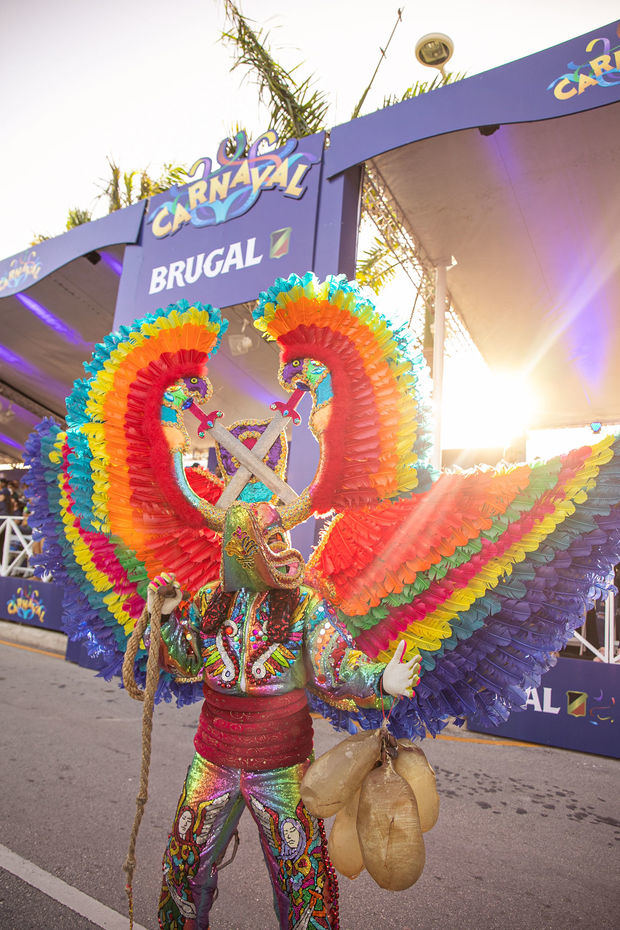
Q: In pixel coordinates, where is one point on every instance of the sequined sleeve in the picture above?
(180, 652)
(337, 668)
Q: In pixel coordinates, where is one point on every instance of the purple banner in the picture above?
(232, 231)
(36, 262)
(37, 603)
(576, 706)
(581, 74)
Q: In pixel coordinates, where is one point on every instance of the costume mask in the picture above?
(255, 550)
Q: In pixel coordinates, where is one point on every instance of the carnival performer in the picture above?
(483, 574)
(260, 637)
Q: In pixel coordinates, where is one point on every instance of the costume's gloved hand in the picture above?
(171, 601)
(400, 678)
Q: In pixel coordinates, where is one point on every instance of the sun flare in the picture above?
(482, 408)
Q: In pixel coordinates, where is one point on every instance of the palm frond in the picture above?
(296, 109)
(376, 266)
(112, 190)
(128, 177)
(424, 87)
(77, 217)
(236, 135)
(171, 174)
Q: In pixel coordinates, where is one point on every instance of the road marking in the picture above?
(43, 652)
(98, 914)
(493, 741)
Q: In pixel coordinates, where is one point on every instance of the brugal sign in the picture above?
(234, 228)
(576, 707)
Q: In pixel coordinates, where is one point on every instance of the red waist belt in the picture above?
(254, 733)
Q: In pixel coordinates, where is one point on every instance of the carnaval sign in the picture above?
(216, 195)
(25, 604)
(602, 69)
(23, 271)
(37, 604)
(231, 231)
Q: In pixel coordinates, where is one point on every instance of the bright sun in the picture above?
(483, 408)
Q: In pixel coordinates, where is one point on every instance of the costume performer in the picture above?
(259, 637)
(484, 574)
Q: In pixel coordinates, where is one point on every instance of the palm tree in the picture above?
(77, 217)
(295, 108)
(122, 189)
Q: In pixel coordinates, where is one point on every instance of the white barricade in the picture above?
(16, 547)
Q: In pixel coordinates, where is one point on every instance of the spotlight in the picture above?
(434, 50)
(239, 344)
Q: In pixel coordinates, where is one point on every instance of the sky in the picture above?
(146, 83)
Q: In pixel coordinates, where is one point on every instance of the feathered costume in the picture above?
(484, 573)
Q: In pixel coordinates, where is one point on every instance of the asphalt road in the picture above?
(528, 837)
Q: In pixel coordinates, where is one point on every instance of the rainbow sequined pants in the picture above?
(304, 883)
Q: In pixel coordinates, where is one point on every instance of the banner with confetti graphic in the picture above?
(576, 706)
(37, 603)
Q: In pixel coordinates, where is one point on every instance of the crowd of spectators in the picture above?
(12, 498)
(13, 504)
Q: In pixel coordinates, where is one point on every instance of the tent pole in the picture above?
(439, 334)
(610, 627)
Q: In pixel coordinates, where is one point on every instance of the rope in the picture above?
(148, 696)
(218, 865)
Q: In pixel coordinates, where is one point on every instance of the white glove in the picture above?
(400, 678)
(169, 603)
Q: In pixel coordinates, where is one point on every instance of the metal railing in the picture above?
(608, 652)
(17, 546)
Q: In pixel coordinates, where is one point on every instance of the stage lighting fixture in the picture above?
(434, 50)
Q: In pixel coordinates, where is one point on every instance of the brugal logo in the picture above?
(219, 261)
(215, 195)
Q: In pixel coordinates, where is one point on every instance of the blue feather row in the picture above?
(86, 618)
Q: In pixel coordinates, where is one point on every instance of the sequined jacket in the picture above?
(241, 658)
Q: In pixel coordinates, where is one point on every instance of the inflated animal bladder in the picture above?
(388, 828)
(344, 845)
(412, 765)
(338, 773)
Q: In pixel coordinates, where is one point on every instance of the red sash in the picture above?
(254, 733)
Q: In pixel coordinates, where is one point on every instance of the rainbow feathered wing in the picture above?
(485, 573)
(104, 493)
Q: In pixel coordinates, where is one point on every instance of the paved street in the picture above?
(528, 837)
